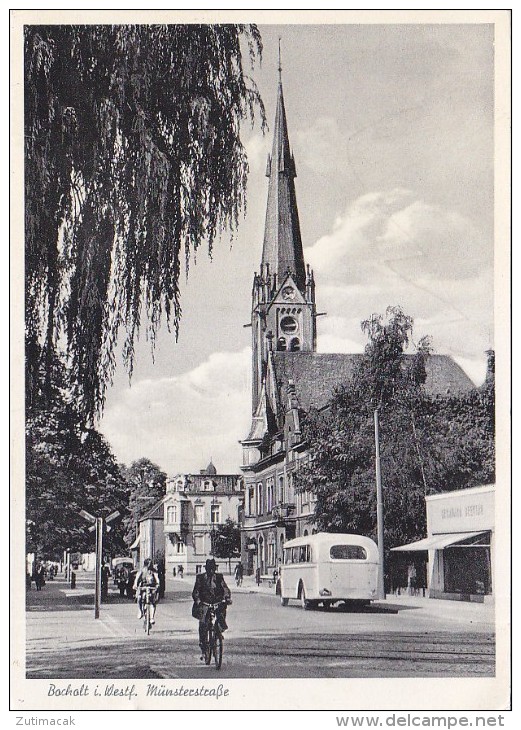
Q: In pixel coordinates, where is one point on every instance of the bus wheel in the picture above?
(284, 601)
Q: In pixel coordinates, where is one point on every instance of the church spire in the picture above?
(282, 249)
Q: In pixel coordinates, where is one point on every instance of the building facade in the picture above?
(289, 376)
(150, 542)
(459, 543)
(194, 507)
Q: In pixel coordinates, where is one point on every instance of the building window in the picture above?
(260, 506)
(198, 544)
(171, 514)
(269, 495)
(251, 501)
(271, 551)
(208, 485)
(199, 514)
(281, 490)
(215, 514)
(295, 345)
(281, 344)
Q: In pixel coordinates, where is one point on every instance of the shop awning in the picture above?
(437, 542)
(135, 544)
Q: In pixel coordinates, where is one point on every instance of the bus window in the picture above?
(295, 555)
(303, 554)
(287, 556)
(348, 552)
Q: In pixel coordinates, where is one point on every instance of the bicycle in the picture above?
(213, 645)
(146, 607)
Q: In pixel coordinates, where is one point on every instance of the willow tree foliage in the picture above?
(133, 159)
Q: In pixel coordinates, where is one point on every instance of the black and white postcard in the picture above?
(260, 266)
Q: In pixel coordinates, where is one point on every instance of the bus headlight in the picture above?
(324, 592)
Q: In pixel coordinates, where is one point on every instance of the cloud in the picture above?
(398, 234)
(257, 149)
(319, 145)
(390, 248)
(183, 421)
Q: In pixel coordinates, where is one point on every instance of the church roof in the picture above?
(317, 375)
(282, 248)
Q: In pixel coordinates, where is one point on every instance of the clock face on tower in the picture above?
(288, 292)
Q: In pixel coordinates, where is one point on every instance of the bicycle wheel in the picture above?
(208, 646)
(218, 649)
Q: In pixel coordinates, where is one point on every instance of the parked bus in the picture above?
(327, 568)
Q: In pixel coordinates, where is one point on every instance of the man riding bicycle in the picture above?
(210, 587)
(147, 578)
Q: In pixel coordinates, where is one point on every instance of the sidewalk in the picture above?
(479, 613)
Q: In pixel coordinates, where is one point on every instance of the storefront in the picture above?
(459, 543)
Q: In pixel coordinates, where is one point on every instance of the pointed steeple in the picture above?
(282, 249)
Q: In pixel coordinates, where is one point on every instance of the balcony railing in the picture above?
(283, 511)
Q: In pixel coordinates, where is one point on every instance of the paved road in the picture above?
(401, 637)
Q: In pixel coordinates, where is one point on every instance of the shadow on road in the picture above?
(388, 608)
(58, 595)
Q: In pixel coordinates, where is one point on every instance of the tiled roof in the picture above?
(317, 375)
(155, 513)
(444, 376)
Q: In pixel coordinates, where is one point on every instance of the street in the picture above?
(402, 636)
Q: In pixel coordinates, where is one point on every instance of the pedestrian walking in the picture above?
(411, 579)
(39, 576)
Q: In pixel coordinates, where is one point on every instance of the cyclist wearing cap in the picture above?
(210, 587)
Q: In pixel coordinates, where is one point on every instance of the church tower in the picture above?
(283, 297)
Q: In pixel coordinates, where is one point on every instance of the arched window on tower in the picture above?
(295, 345)
(281, 344)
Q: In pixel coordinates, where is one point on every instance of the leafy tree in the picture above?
(132, 159)
(226, 541)
(146, 486)
(427, 444)
(68, 468)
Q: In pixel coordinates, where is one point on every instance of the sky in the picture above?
(392, 131)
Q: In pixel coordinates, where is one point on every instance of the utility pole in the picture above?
(379, 510)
